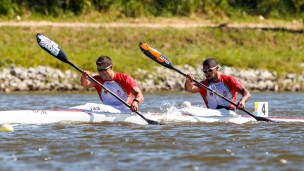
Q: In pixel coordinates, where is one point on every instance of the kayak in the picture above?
(93, 112)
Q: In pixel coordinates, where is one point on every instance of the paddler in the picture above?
(120, 84)
(224, 85)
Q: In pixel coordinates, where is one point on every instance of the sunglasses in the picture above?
(103, 69)
(210, 69)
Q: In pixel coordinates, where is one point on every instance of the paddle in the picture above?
(163, 60)
(52, 48)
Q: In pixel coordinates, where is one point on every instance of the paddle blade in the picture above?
(151, 122)
(51, 47)
(155, 55)
(258, 118)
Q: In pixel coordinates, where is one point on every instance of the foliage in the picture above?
(272, 50)
(164, 8)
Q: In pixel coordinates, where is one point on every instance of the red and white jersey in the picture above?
(121, 85)
(227, 86)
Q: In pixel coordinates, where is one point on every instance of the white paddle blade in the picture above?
(51, 47)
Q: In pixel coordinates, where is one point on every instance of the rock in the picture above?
(45, 78)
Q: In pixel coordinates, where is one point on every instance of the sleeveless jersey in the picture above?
(227, 86)
(121, 85)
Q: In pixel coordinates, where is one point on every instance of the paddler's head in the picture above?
(210, 68)
(105, 67)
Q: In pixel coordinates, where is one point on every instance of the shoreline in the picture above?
(43, 78)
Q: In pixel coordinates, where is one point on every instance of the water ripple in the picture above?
(174, 146)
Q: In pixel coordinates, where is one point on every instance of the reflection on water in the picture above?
(175, 146)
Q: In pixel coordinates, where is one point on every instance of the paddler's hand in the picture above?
(189, 78)
(134, 106)
(85, 81)
(241, 105)
(85, 75)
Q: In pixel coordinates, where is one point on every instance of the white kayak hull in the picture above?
(55, 116)
(58, 116)
(101, 113)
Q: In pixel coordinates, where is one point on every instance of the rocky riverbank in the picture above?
(254, 80)
(45, 78)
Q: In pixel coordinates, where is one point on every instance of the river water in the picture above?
(178, 146)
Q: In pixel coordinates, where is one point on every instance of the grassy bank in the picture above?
(243, 48)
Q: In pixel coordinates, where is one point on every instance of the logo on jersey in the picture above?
(225, 93)
(105, 91)
(211, 93)
(118, 92)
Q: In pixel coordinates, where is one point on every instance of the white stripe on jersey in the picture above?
(109, 99)
(213, 99)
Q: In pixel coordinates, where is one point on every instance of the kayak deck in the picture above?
(91, 112)
(54, 116)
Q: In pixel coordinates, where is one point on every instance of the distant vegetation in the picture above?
(212, 9)
(278, 50)
(273, 50)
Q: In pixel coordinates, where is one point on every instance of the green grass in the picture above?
(245, 48)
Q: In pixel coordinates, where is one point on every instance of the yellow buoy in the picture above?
(6, 128)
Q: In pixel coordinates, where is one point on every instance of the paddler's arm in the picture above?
(189, 86)
(85, 80)
(245, 97)
(139, 98)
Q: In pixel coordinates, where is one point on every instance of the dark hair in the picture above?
(210, 62)
(104, 60)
